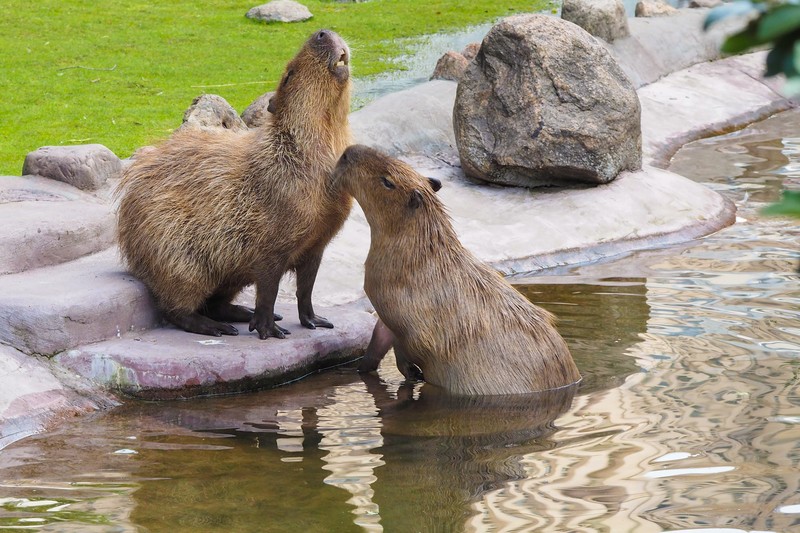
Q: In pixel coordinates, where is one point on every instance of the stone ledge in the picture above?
(168, 363)
(46, 222)
(699, 102)
(41, 395)
(39, 234)
(49, 310)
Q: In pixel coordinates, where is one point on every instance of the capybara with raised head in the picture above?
(206, 213)
(459, 321)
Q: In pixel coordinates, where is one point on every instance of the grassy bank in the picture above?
(121, 73)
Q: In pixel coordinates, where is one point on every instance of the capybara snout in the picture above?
(334, 51)
(364, 171)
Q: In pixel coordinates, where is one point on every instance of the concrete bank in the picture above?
(98, 328)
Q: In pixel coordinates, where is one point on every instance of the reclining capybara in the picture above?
(207, 213)
(459, 321)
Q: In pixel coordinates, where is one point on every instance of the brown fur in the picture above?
(459, 321)
(207, 213)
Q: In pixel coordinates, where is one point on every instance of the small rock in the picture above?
(451, 66)
(654, 8)
(85, 166)
(257, 113)
(471, 50)
(605, 19)
(705, 3)
(280, 11)
(210, 111)
(544, 103)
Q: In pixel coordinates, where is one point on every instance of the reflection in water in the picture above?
(688, 418)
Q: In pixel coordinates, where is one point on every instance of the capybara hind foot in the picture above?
(197, 323)
(267, 328)
(315, 321)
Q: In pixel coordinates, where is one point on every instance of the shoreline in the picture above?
(104, 346)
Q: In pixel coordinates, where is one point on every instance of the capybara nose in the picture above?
(322, 34)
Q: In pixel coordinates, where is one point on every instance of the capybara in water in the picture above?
(206, 213)
(459, 321)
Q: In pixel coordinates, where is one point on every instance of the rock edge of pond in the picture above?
(81, 335)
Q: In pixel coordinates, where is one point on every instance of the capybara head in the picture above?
(318, 73)
(389, 191)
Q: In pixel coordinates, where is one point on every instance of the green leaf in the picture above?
(731, 9)
(778, 22)
(744, 40)
(789, 205)
(776, 59)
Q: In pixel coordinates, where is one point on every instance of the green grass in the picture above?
(121, 73)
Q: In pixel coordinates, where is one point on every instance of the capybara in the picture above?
(459, 321)
(206, 213)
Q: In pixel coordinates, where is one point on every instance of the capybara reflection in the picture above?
(207, 213)
(459, 321)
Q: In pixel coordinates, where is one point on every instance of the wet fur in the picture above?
(454, 317)
(207, 213)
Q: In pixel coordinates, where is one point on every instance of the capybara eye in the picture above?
(386, 183)
(435, 184)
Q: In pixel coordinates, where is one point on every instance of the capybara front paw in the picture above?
(411, 372)
(315, 321)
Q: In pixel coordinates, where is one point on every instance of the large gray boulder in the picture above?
(210, 111)
(85, 166)
(605, 19)
(544, 103)
(280, 11)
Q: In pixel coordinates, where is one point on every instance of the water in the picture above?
(417, 65)
(688, 418)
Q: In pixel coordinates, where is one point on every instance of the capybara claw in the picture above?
(277, 317)
(314, 322)
(266, 331)
(276, 331)
(227, 329)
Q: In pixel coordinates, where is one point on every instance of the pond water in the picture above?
(417, 65)
(688, 418)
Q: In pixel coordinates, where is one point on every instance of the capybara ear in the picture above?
(416, 199)
(271, 106)
(435, 184)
